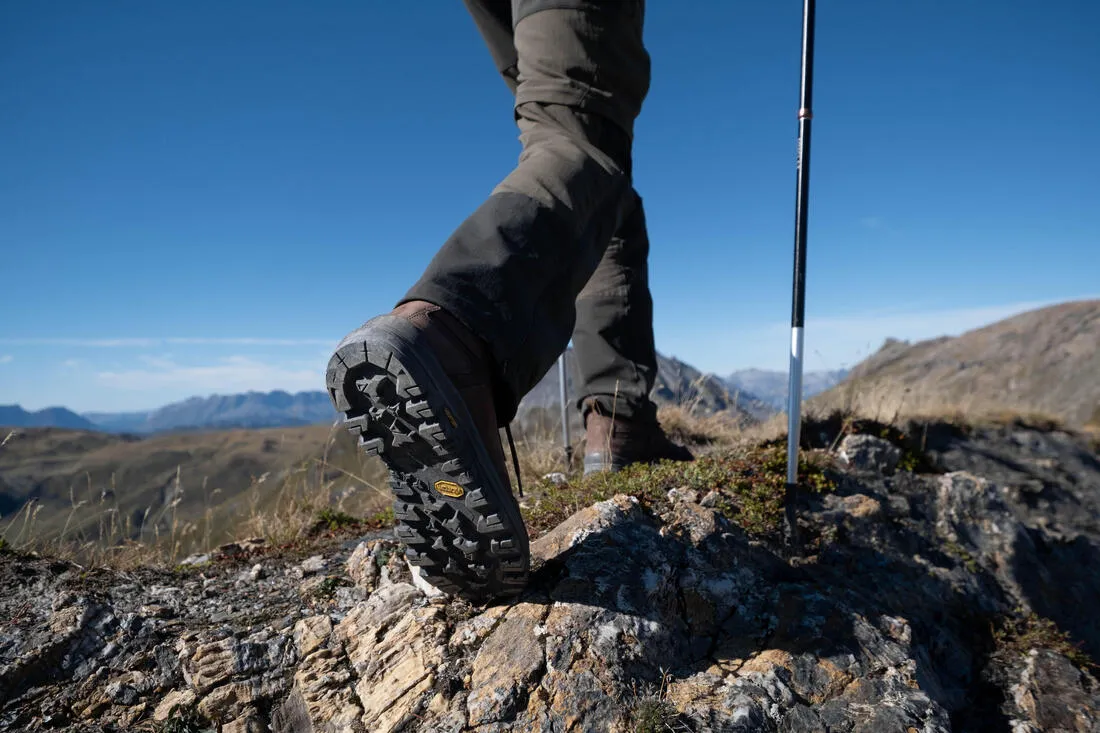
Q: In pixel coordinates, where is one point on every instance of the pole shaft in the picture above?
(798, 298)
(564, 411)
(805, 123)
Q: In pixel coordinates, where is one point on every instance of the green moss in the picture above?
(751, 487)
(384, 554)
(1030, 631)
(910, 462)
(653, 715)
(184, 719)
(383, 518)
(327, 588)
(334, 520)
(959, 552)
(191, 568)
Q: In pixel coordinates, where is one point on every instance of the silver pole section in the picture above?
(564, 412)
(794, 404)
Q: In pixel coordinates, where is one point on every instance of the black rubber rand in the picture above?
(460, 526)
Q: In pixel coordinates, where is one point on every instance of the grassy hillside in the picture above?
(191, 489)
(1044, 361)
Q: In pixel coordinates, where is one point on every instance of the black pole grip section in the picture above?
(805, 115)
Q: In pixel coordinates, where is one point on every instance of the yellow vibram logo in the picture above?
(450, 417)
(449, 488)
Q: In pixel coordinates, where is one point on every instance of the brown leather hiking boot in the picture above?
(612, 444)
(415, 387)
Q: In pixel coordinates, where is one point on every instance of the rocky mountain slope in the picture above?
(1047, 360)
(928, 601)
(681, 383)
(677, 383)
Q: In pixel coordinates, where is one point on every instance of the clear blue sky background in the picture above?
(203, 197)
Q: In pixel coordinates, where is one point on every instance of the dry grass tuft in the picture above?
(695, 430)
(1029, 631)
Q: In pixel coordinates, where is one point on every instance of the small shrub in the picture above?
(334, 520)
(383, 518)
(959, 552)
(1030, 631)
(651, 712)
(184, 719)
(384, 554)
(653, 715)
(327, 588)
(909, 462)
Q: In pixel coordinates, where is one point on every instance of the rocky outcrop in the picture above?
(639, 617)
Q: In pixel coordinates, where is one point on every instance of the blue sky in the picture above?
(204, 197)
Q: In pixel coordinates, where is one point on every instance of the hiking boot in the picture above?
(612, 444)
(415, 388)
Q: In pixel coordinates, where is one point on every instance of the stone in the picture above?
(196, 559)
(868, 453)
(711, 500)
(311, 633)
(249, 723)
(311, 587)
(174, 699)
(394, 648)
(557, 478)
(322, 697)
(421, 583)
(505, 665)
(683, 494)
(585, 522)
(1050, 694)
(312, 564)
(854, 506)
(226, 702)
(122, 693)
(363, 566)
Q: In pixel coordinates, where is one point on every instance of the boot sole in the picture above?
(460, 524)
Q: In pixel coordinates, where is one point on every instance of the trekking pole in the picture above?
(564, 413)
(798, 302)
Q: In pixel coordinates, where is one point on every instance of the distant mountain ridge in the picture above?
(253, 409)
(676, 383)
(771, 386)
(50, 417)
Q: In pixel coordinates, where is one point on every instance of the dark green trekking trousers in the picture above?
(559, 249)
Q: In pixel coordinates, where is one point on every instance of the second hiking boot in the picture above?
(613, 443)
(414, 385)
